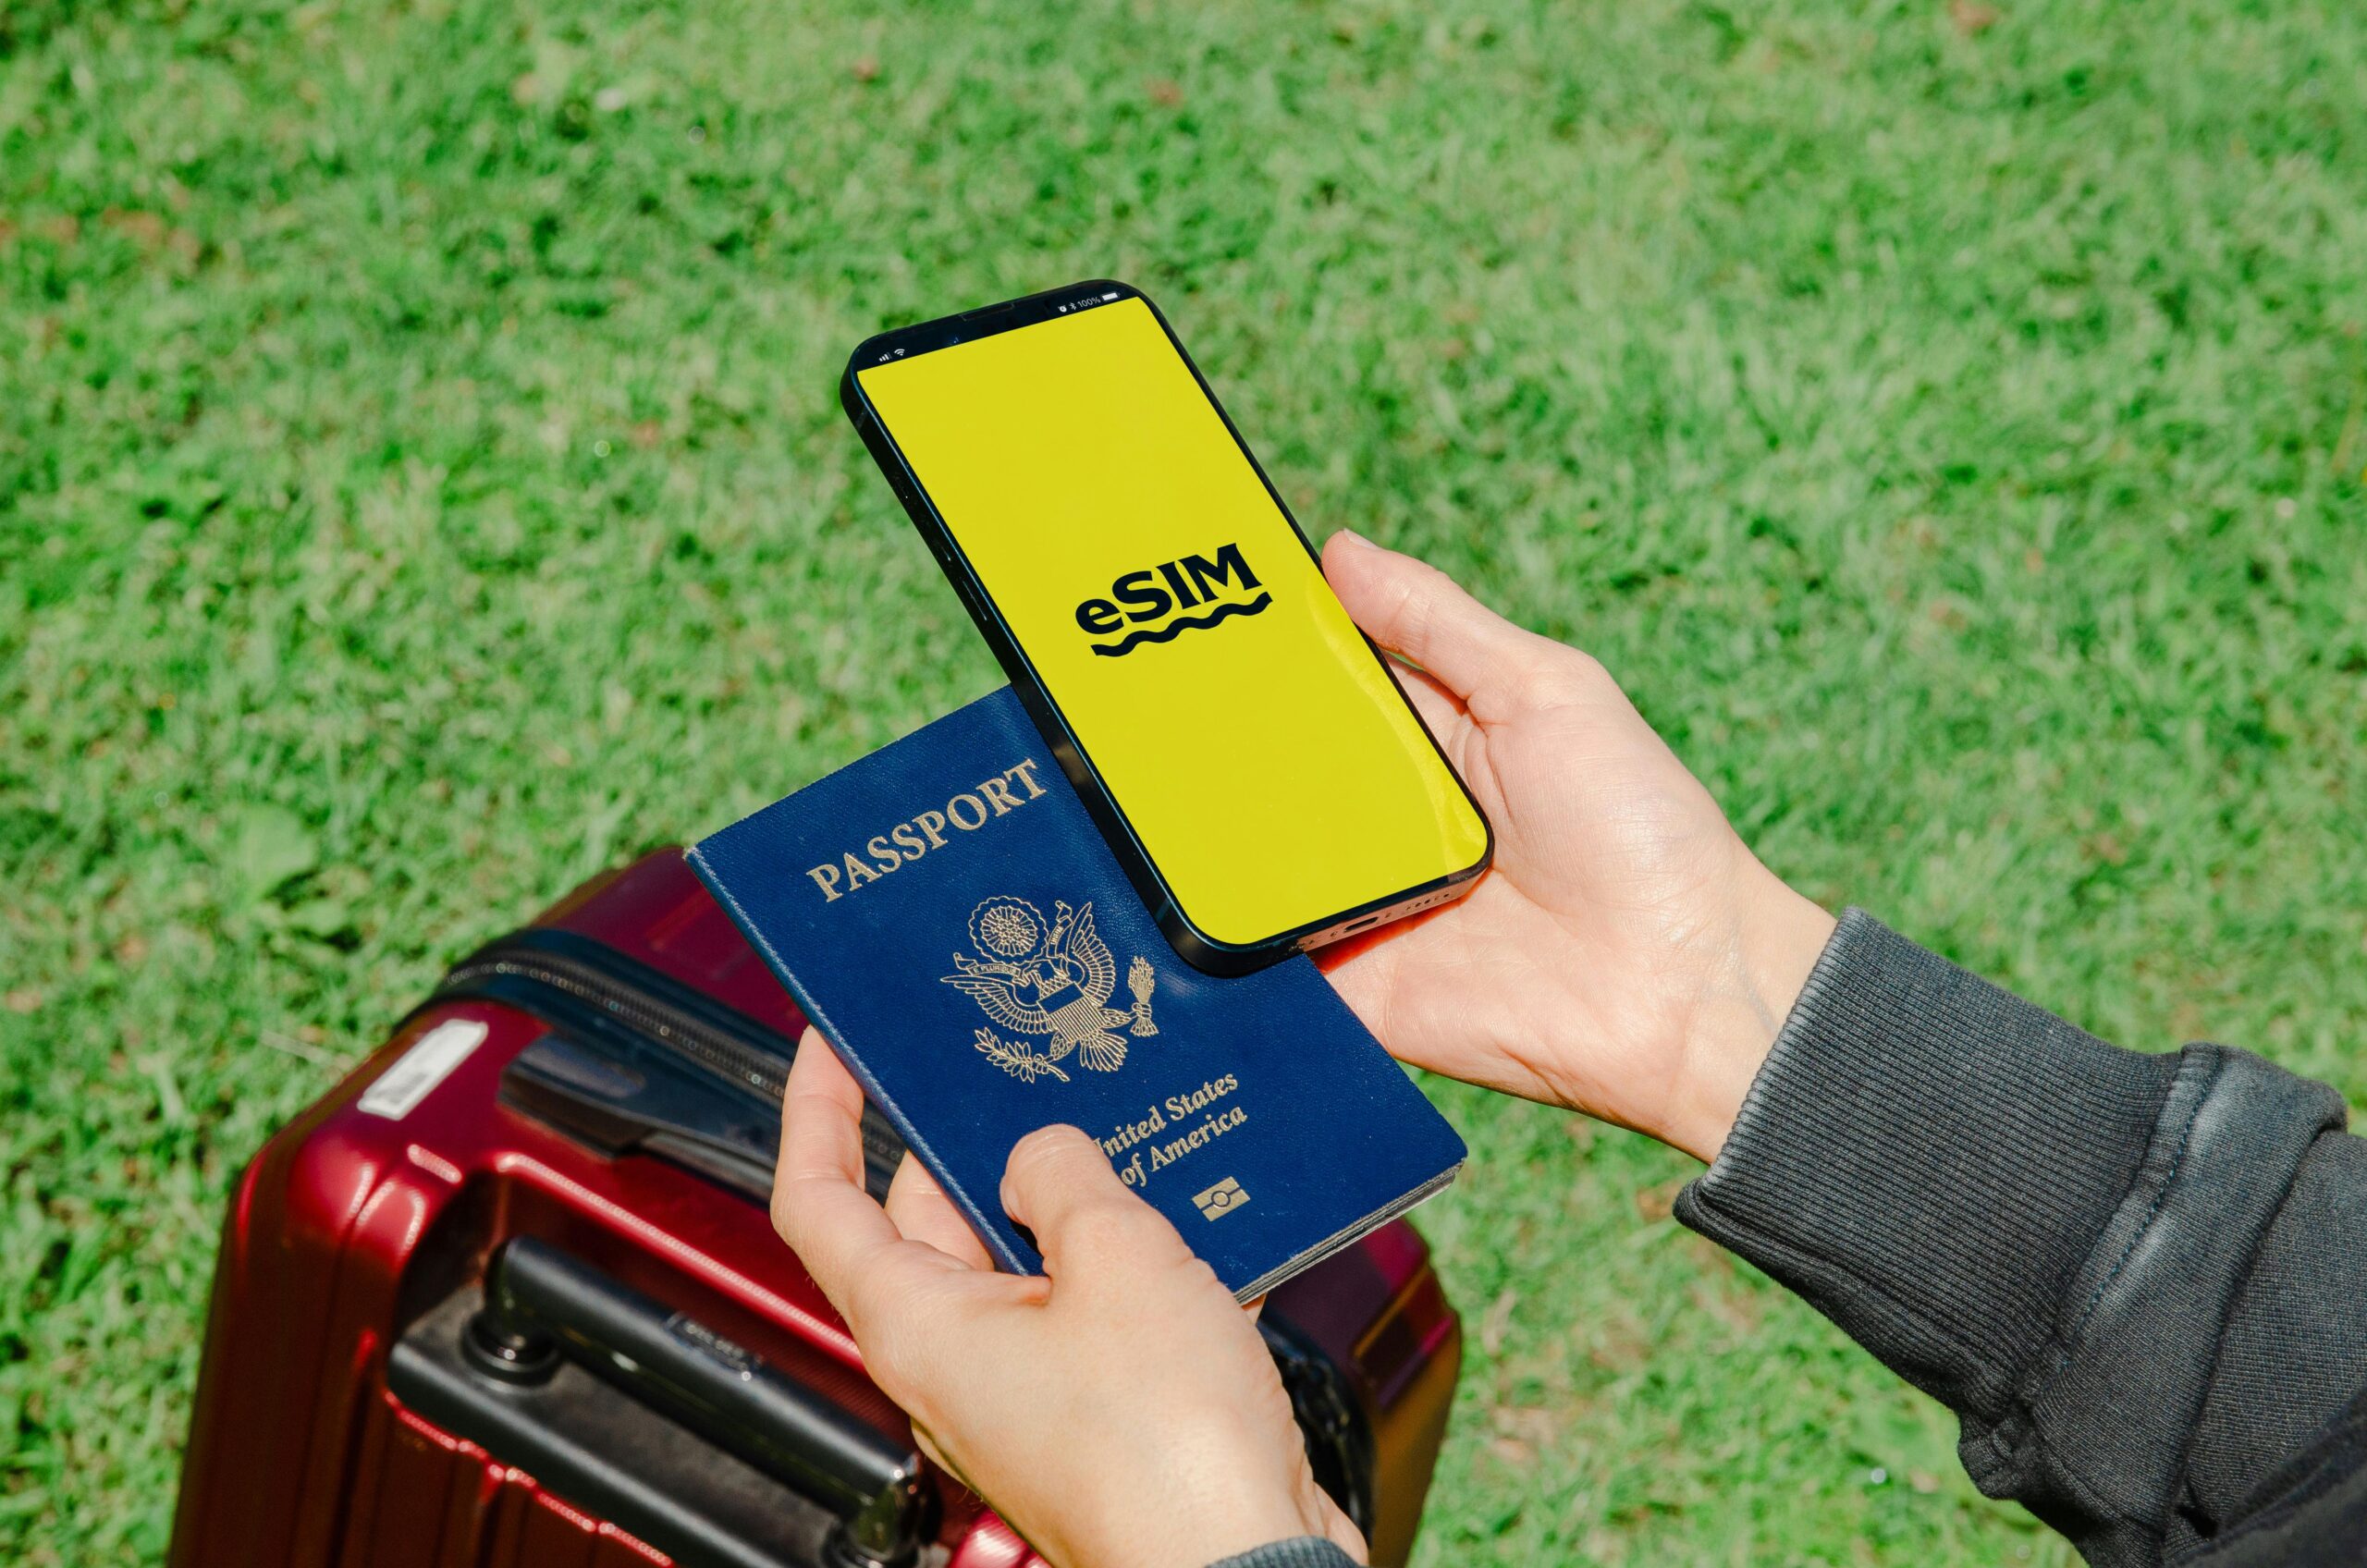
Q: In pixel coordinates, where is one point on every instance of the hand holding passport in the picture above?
(1627, 957)
(1124, 1412)
(947, 914)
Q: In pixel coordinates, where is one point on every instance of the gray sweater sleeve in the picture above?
(2141, 1281)
(2138, 1280)
(1306, 1552)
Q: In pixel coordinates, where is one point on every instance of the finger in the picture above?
(819, 1206)
(923, 1213)
(821, 1115)
(1060, 1185)
(1419, 613)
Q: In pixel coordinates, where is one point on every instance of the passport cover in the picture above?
(945, 911)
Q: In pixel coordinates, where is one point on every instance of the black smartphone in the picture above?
(1242, 746)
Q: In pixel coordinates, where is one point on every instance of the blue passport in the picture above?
(946, 912)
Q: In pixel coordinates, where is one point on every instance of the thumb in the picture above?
(1420, 613)
(1061, 1186)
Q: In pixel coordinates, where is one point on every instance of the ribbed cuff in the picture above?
(1306, 1552)
(1929, 1160)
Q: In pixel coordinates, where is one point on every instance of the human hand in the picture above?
(1626, 955)
(1121, 1411)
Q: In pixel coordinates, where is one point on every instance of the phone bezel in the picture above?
(1201, 950)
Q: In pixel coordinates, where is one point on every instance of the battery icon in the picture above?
(1111, 295)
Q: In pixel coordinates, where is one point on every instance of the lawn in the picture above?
(422, 484)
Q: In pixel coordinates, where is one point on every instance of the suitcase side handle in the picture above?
(541, 1302)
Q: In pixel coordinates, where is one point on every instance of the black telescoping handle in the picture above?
(725, 1393)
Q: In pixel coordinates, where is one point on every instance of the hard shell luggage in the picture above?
(508, 1295)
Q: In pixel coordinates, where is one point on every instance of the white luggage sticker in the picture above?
(400, 1088)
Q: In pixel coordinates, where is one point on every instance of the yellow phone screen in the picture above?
(1261, 751)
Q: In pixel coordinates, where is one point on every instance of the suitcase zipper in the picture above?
(586, 987)
(595, 980)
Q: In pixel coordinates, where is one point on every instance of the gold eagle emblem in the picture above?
(1050, 980)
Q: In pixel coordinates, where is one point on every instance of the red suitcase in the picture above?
(508, 1295)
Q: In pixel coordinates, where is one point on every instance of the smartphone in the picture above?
(1255, 769)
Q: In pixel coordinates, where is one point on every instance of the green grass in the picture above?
(422, 484)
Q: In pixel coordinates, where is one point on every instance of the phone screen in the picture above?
(1257, 748)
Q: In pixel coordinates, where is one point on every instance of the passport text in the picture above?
(926, 830)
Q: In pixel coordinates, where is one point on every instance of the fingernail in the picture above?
(1352, 537)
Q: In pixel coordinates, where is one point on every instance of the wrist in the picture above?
(1229, 1533)
(1771, 944)
(1240, 1537)
(1214, 1506)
